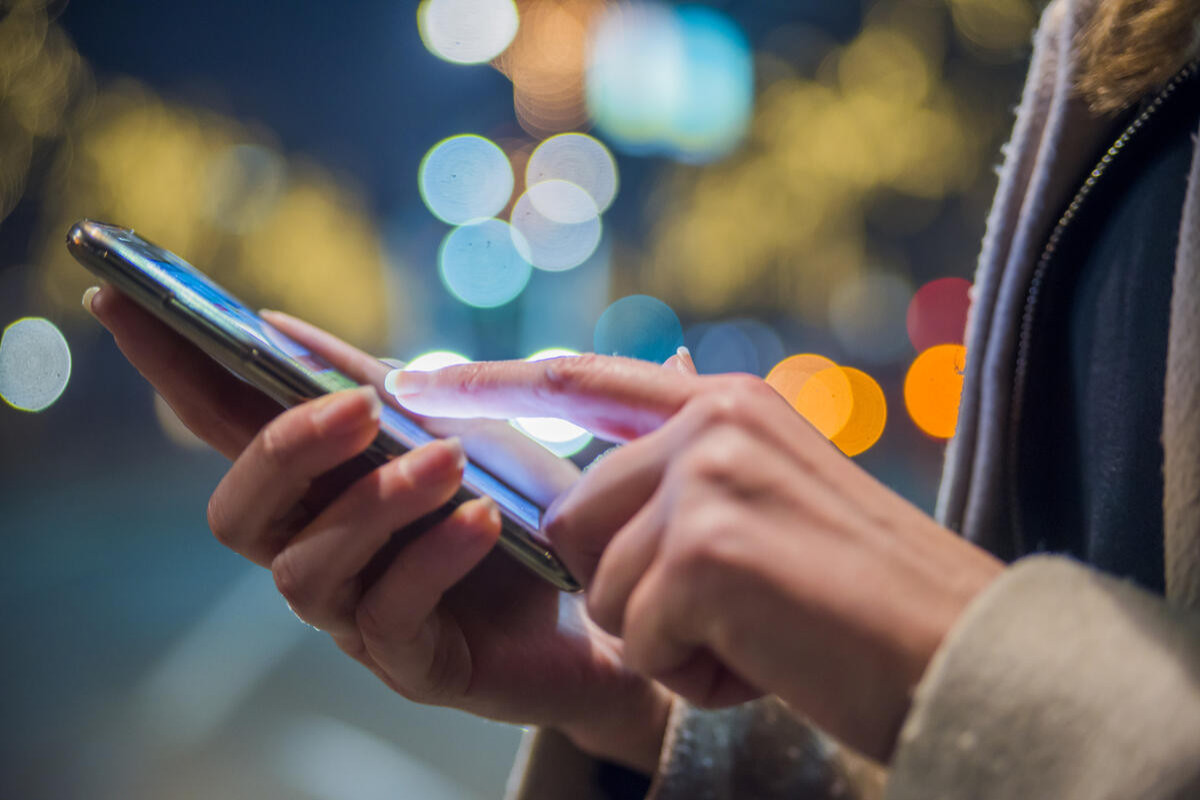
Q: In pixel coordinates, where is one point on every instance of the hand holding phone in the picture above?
(277, 365)
(496, 643)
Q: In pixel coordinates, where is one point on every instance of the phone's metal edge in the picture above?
(514, 539)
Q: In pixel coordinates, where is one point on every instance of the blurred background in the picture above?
(791, 188)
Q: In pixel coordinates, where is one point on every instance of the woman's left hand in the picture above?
(735, 549)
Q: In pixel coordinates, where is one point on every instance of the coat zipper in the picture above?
(1040, 271)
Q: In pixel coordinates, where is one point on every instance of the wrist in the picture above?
(632, 738)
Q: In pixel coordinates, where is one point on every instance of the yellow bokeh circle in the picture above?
(826, 400)
(868, 416)
(789, 376)
(846, 405)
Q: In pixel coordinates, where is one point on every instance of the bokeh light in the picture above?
(725, 347)
(41, 78)
(638, 326)
(559, 436)
(558, 225)
(827, 400)
(579, 159)
(308, 241)
(868, 415)
(845, 404)
(546, 65)
(674, 81)
(866, 313)
(245, 184)
(465, 178)
(768, 345)
(742, 344)
(35, 364)
(937, 313)
(874, 129)
(933, 388)
(787, 220)
(562, 202)
(467, 31)
(484, 264)
(995, 29)
(789, 375)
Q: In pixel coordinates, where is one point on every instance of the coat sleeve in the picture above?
(1058, 682)
(758, 750)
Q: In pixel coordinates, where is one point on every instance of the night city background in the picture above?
(792, 188)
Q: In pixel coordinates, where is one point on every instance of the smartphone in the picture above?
(249, 347)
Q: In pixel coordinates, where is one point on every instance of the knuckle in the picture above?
(697, 463)
(749, 388)
(710, 545)
(274, 445)
(374, 623)
(388, 483)
(472, 377)
(400, 482)
(716, 408)
(745, 386)
(720, 455)
(563, 376)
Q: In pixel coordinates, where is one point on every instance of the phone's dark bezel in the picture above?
(113, 253)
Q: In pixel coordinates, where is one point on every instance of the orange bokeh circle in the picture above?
(933, 387)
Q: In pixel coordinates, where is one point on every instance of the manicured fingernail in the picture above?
(348, 411)
(87, 298)
(683, 358)
(402, 383)
(439, 460)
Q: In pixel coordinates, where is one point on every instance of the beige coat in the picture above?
(1058, 682)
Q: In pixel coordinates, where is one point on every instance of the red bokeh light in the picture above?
(937, 313)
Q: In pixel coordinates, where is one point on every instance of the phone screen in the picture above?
(174, 281)
(192, 288)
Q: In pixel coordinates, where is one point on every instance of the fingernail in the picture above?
(684, 362)
(401, 382)
(454, 445)
(440, 460)
(345, 412)
(493, 510)
(87, 298)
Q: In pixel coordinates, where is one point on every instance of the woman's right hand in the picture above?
(433, 615)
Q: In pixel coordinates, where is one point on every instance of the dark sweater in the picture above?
(1090, 454)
